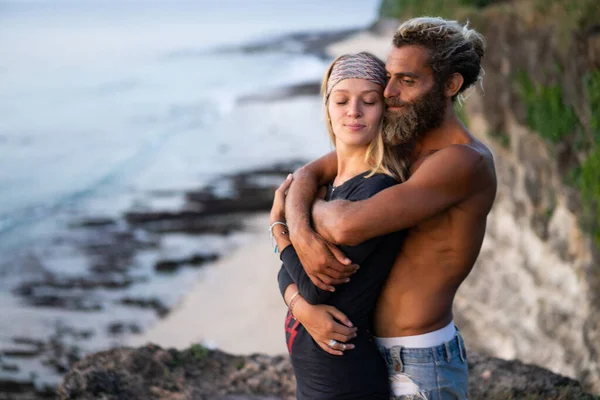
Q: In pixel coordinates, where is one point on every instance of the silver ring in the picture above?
(332, 343)
(343, 346)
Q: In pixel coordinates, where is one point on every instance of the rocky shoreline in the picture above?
(151, 372)
(111, 245)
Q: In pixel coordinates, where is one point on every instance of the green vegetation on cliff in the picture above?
(592, 84)
(547, 112)
(442, 8)
(589, 184)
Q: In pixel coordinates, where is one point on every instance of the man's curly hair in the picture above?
(452, 48)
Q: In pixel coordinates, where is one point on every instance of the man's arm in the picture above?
(443, 180)
(324, 264)
(302, 193)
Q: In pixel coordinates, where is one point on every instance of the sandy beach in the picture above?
(235, 305)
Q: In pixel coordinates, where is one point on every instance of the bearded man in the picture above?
(443, 204)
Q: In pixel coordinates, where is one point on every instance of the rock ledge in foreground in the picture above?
(151, 372)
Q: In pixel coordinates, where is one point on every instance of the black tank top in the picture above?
(360, 373)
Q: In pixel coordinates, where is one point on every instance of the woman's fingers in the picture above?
(278, 209)
(330, 350)
(285, 185)
(342, 339)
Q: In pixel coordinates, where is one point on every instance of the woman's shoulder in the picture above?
(371, 185)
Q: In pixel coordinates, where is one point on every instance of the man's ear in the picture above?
(453, 85)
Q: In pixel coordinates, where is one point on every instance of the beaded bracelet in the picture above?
(293, 301)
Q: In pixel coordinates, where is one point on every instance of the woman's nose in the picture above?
(354, 109)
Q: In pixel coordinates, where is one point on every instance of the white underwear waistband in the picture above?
(429, 339)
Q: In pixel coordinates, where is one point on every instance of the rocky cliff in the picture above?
(534, 294)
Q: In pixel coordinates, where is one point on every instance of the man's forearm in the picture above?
(303, 191)
(326, 217)
(299, 200)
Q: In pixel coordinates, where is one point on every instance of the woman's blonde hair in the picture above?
(380, 158)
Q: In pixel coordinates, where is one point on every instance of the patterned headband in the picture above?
(356, 66)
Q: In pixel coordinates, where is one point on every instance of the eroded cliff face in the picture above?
(534, 293)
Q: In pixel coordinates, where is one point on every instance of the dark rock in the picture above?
(296, 43)
(155, 304)
(21, 353)
(199, 259)
(151, 372)
(198, 373)
(167, 266)
(18, 390)
(192, 222)
(120, 328)
(10, 368)
(85, 283)
(195, 260)
(493, 378)
(28, 341)
(208, 210)
(116, 328)
(68, 302)
(95, 222)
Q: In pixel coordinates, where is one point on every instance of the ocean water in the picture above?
(104, 102)
(103, 97)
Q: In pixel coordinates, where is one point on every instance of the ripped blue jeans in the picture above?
(434, 373)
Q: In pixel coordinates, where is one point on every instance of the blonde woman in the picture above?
(353, 94)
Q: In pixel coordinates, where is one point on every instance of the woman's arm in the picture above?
(295, 270)
(292, 264)
(285, 281)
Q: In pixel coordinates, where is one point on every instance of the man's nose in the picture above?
(391, 90)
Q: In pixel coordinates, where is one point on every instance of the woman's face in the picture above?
(355, 108)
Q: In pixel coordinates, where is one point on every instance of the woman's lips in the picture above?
(355, 127)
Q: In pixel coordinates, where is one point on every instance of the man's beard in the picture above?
(415, 118)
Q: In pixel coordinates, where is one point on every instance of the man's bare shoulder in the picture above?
(477, 163)
(469, 158)
(464, 169)
(475, 154)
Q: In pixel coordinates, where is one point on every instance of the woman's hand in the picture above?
(322, 322)
(278, 208)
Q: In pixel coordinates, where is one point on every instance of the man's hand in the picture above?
(324, 263)
(324, 323)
